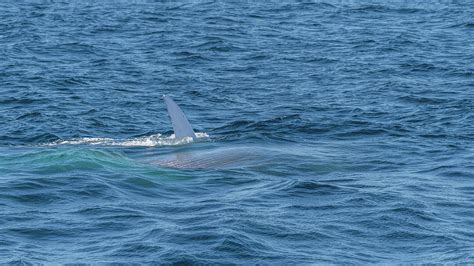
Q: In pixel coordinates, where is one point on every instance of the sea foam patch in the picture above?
(146, 141)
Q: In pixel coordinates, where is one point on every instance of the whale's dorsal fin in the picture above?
(181, 125)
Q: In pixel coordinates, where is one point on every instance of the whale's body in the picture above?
(201, 157)
(215, 158)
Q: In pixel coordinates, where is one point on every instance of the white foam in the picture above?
(147, 141)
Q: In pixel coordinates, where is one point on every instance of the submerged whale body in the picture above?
(216, 158)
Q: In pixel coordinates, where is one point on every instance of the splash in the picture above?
(146, 141)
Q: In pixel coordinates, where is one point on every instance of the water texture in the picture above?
(344, 130)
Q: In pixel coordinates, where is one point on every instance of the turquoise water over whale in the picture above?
(349, 125)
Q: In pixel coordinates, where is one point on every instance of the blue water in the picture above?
(338, 132)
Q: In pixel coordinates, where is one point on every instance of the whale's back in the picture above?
(220, 158)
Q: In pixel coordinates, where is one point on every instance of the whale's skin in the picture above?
(215, 159)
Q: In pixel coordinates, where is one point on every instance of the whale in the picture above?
(204, 155)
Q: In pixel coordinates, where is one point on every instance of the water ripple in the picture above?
(335, 133)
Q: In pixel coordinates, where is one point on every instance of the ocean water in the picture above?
(329, 132)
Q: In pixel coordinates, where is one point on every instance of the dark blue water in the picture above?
(337, 132)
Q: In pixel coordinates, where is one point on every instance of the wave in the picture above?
(146, 141)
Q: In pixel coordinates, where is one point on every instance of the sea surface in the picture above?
(328, 132)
